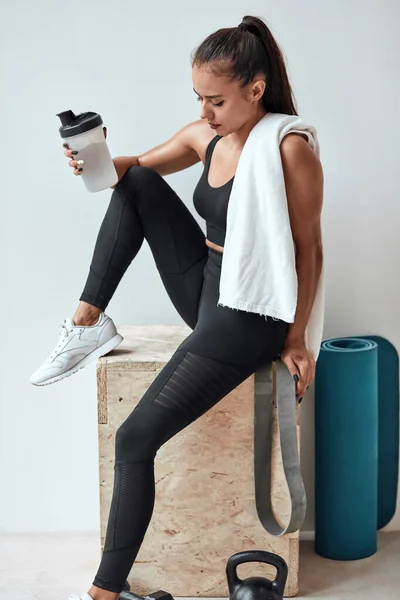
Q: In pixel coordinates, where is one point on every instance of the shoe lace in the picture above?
(63, 333)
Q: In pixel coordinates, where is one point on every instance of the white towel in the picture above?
(258, 272)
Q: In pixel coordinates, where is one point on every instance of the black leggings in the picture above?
(224, 348)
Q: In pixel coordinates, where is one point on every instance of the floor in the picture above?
(52, 566)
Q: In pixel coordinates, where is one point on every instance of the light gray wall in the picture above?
(130, 61)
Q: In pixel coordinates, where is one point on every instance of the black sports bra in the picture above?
(212, 203)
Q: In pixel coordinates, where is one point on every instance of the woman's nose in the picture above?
(205, 114)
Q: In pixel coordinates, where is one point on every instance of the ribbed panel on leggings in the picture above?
(197, 383)
(132, 517)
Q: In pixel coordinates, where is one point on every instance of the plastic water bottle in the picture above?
(84, 133)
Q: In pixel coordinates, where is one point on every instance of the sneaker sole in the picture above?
(100, 351)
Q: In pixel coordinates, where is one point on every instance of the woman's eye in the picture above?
(219, 103)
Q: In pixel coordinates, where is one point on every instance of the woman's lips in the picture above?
(214, 126)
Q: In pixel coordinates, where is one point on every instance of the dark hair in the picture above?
(243, 52)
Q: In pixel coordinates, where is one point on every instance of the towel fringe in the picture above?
(255, 309)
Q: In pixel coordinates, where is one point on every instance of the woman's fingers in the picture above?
(77, 164)
(70, 153)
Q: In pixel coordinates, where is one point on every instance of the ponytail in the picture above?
(245, 51)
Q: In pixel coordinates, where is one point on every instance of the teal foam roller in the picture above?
(388, 428)
(346, 449)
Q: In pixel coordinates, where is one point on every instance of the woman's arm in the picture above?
(184, 149)
(304, 183)
(304, 190)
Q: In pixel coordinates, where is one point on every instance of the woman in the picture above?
(239, 76)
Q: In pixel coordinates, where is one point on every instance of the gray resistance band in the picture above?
(285, 393)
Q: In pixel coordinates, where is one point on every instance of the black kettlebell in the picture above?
(256, 588)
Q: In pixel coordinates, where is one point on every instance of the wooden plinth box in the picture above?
(204, 508)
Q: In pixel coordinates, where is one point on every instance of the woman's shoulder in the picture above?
(200, 136)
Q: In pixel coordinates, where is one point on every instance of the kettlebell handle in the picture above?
(256, 556)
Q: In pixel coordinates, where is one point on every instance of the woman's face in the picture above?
(231, 106)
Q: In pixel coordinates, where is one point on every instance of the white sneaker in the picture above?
(78, 346)
(84, 596)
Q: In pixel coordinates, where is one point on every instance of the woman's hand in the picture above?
(121, 163)
(300, 363)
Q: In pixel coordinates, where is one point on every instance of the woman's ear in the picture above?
(258, 90)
